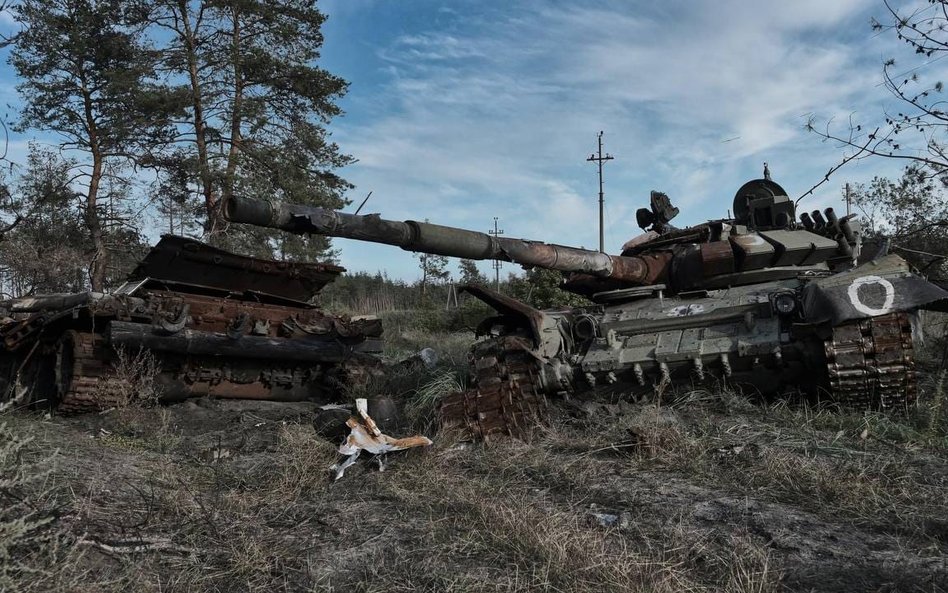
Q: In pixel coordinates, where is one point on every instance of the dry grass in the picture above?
(422, 405)
(835, 465)
(36, 554)
(486, 530)
(138, 370)
(705, 492)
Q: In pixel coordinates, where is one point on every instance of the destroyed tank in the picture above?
(212, 323)
(762, 301)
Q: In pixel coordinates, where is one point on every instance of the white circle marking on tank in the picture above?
(860, 306)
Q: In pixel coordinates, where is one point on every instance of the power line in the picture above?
(363, 203)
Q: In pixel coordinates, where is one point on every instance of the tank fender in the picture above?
(544, 329)
(879, 287)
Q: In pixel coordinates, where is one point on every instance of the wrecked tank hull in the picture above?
(192, 320)
(795, 336)
(763, 301)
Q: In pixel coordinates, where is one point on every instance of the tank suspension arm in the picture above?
(425, 237)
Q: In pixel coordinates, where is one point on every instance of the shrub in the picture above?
(25, 535)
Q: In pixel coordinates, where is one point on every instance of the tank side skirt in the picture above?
(88, 380)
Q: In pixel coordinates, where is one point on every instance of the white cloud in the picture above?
(497, 119)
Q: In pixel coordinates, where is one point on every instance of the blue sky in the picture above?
(462, 111)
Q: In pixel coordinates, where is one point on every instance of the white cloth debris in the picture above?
(366, 436)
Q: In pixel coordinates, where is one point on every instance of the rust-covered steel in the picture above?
(214, 323)
(765, 301)
(505, 401)
(441, 240)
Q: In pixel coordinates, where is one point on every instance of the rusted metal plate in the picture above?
(215, 314)
(717, 257)
(645, 269)
(179, 259)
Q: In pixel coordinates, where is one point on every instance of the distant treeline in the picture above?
(364, 293)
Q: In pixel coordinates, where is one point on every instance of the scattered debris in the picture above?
(384, 412)
(366, 436)
(137, 547)
(617, 520)
(426, 358)
(606, 519)
(330, 421)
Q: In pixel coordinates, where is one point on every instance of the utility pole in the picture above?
(847, 200)
(600, 159)
(496, 232)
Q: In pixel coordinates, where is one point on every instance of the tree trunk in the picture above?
(237, 106)
(100, 259)
(212, 223)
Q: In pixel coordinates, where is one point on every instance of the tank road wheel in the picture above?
(505, 400)
(871, 363)
(86, 381)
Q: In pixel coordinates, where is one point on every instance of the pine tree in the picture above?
(84, 74)
(46, 250)
(256, 109)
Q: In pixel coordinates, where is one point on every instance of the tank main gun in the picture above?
(761, 243)
(424, 237)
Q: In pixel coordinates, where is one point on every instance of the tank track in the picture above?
(86, 381)
(505, 400)
(871, 363)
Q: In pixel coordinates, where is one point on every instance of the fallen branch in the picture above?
(139, 547)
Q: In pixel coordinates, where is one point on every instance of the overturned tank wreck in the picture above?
(214, 324)
(764, 301)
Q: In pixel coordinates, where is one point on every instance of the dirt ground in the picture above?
(707, 492)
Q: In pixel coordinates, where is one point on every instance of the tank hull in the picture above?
(192, 321)
(844, 337)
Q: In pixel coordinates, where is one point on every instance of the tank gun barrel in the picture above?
(425, 237)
